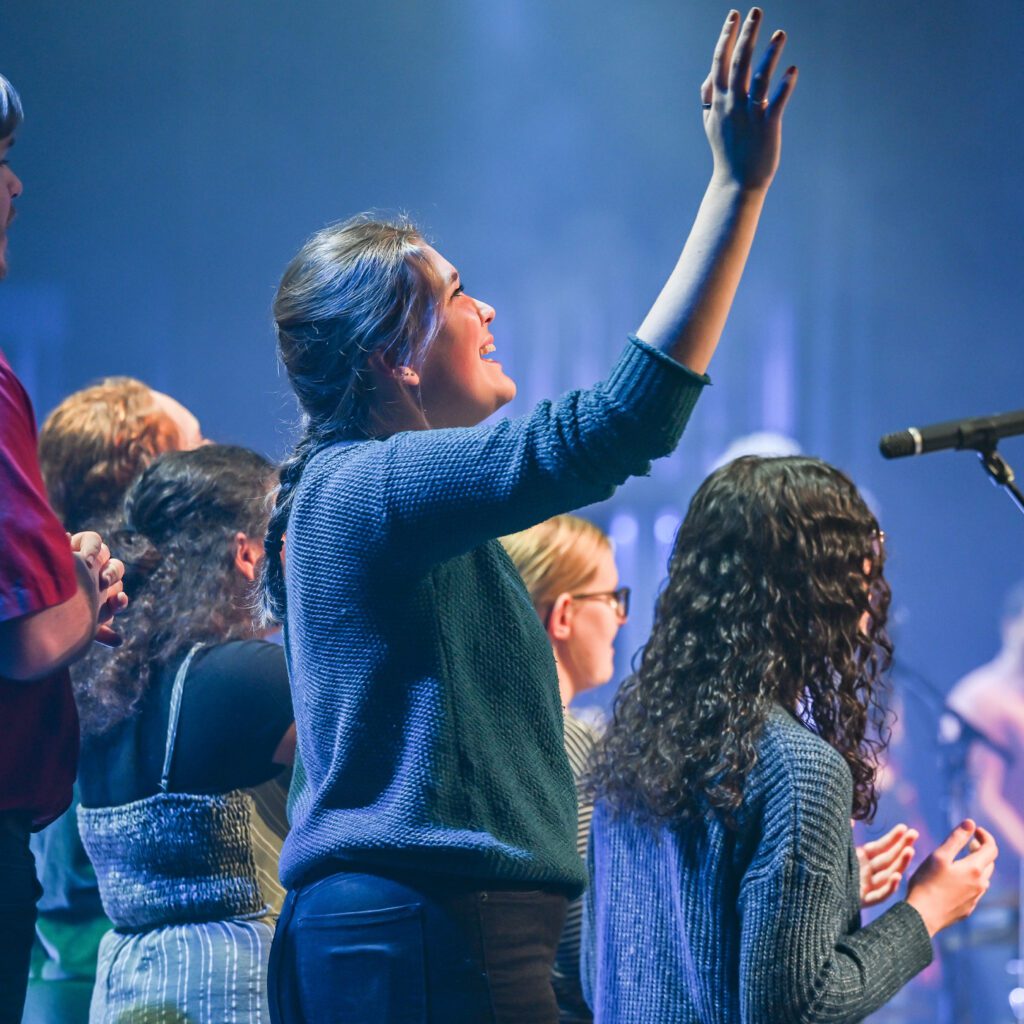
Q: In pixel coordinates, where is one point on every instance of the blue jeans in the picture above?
(354, 948)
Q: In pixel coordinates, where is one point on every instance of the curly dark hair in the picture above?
(177, 540)
(765, 601)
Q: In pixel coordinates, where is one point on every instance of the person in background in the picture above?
(991, 698)
(725, 883)
(191, 710)
(92, 447)
(55, 598)
(569, 570)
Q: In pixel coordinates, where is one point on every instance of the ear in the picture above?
(399, 374)
(248, 553)
(406, 375)
(559, 624)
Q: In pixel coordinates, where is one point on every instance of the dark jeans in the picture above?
(19, 892)
(357, 948)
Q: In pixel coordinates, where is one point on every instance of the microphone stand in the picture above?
(1000, 472)
(1002, 475)
(956, 735)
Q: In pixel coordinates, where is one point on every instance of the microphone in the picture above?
(979, 433)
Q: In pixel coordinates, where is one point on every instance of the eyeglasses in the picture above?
(617, 599)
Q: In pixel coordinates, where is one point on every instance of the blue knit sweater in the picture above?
(760, 925)
(426, 699)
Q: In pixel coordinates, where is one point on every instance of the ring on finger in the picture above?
(705, 106)
(761, 102)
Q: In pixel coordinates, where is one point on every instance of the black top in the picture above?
(235, 708)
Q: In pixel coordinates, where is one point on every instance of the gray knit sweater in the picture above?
(758, 925)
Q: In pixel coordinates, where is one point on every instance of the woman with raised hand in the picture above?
(433, 842)
(190, 711)
(725, 884)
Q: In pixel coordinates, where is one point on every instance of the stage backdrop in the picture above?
(175, 156)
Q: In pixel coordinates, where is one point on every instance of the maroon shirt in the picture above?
(38, 719)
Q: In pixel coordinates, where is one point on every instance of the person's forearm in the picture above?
(36, 645)
(689, 315)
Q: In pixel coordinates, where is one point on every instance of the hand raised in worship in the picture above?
(742, 122)
(883, 863)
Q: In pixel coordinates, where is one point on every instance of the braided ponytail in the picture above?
(356, 289)
(272, 565)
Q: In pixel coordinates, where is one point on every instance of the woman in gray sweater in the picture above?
(725, 885)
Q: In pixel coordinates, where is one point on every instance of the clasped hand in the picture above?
(108, 574)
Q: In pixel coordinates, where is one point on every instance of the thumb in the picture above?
(87, 544)
(957, 839)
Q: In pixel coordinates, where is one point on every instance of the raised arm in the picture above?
(441, 492)
(744, 127)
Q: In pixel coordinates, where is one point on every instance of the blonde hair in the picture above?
(96, 442)
(558, 556)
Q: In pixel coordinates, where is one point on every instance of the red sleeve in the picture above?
(36, 567)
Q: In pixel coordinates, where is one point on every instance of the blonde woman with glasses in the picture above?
(568, 566)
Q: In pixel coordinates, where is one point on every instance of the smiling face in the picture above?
(10, 189)
(461, 383)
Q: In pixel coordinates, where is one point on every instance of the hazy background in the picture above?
(174, 157)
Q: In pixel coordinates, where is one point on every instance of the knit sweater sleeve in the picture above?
(446, 491)
(804, 957)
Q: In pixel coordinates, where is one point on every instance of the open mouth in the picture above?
(485, 351)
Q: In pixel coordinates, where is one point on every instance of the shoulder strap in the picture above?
(172, 718)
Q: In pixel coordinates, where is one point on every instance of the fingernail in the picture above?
(755, 13)
(777, 35)
(733, 15)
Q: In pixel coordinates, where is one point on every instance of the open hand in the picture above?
(883, 863)
(946, 887)
(743, 124)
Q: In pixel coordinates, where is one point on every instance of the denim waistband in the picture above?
(429, 881)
